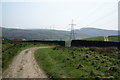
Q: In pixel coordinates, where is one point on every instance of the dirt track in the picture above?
(24, 66)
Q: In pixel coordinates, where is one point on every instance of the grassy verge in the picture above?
(84, 62)
(11, 49)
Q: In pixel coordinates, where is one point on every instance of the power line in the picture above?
(110, 20)
(92, 12)
(95, 11)
(101, 18)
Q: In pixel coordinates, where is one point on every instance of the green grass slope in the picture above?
(99, 38)
(115, 38)
(83, 62)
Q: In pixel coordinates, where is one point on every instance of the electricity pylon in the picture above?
(72, 33)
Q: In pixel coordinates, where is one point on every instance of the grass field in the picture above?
(101, 38)
(11, 49)
(82, 62)
(114, 38)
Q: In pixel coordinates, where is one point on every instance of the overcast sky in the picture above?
(58, 14)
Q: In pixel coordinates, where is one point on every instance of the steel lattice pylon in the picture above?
(72, 33)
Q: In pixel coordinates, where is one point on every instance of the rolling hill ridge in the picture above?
(47, 34)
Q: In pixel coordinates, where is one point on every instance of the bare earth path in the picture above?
(24, 65)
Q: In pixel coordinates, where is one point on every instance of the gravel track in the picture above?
(24, 65)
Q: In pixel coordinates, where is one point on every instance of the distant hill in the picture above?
(94, 32)
(43, 34)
